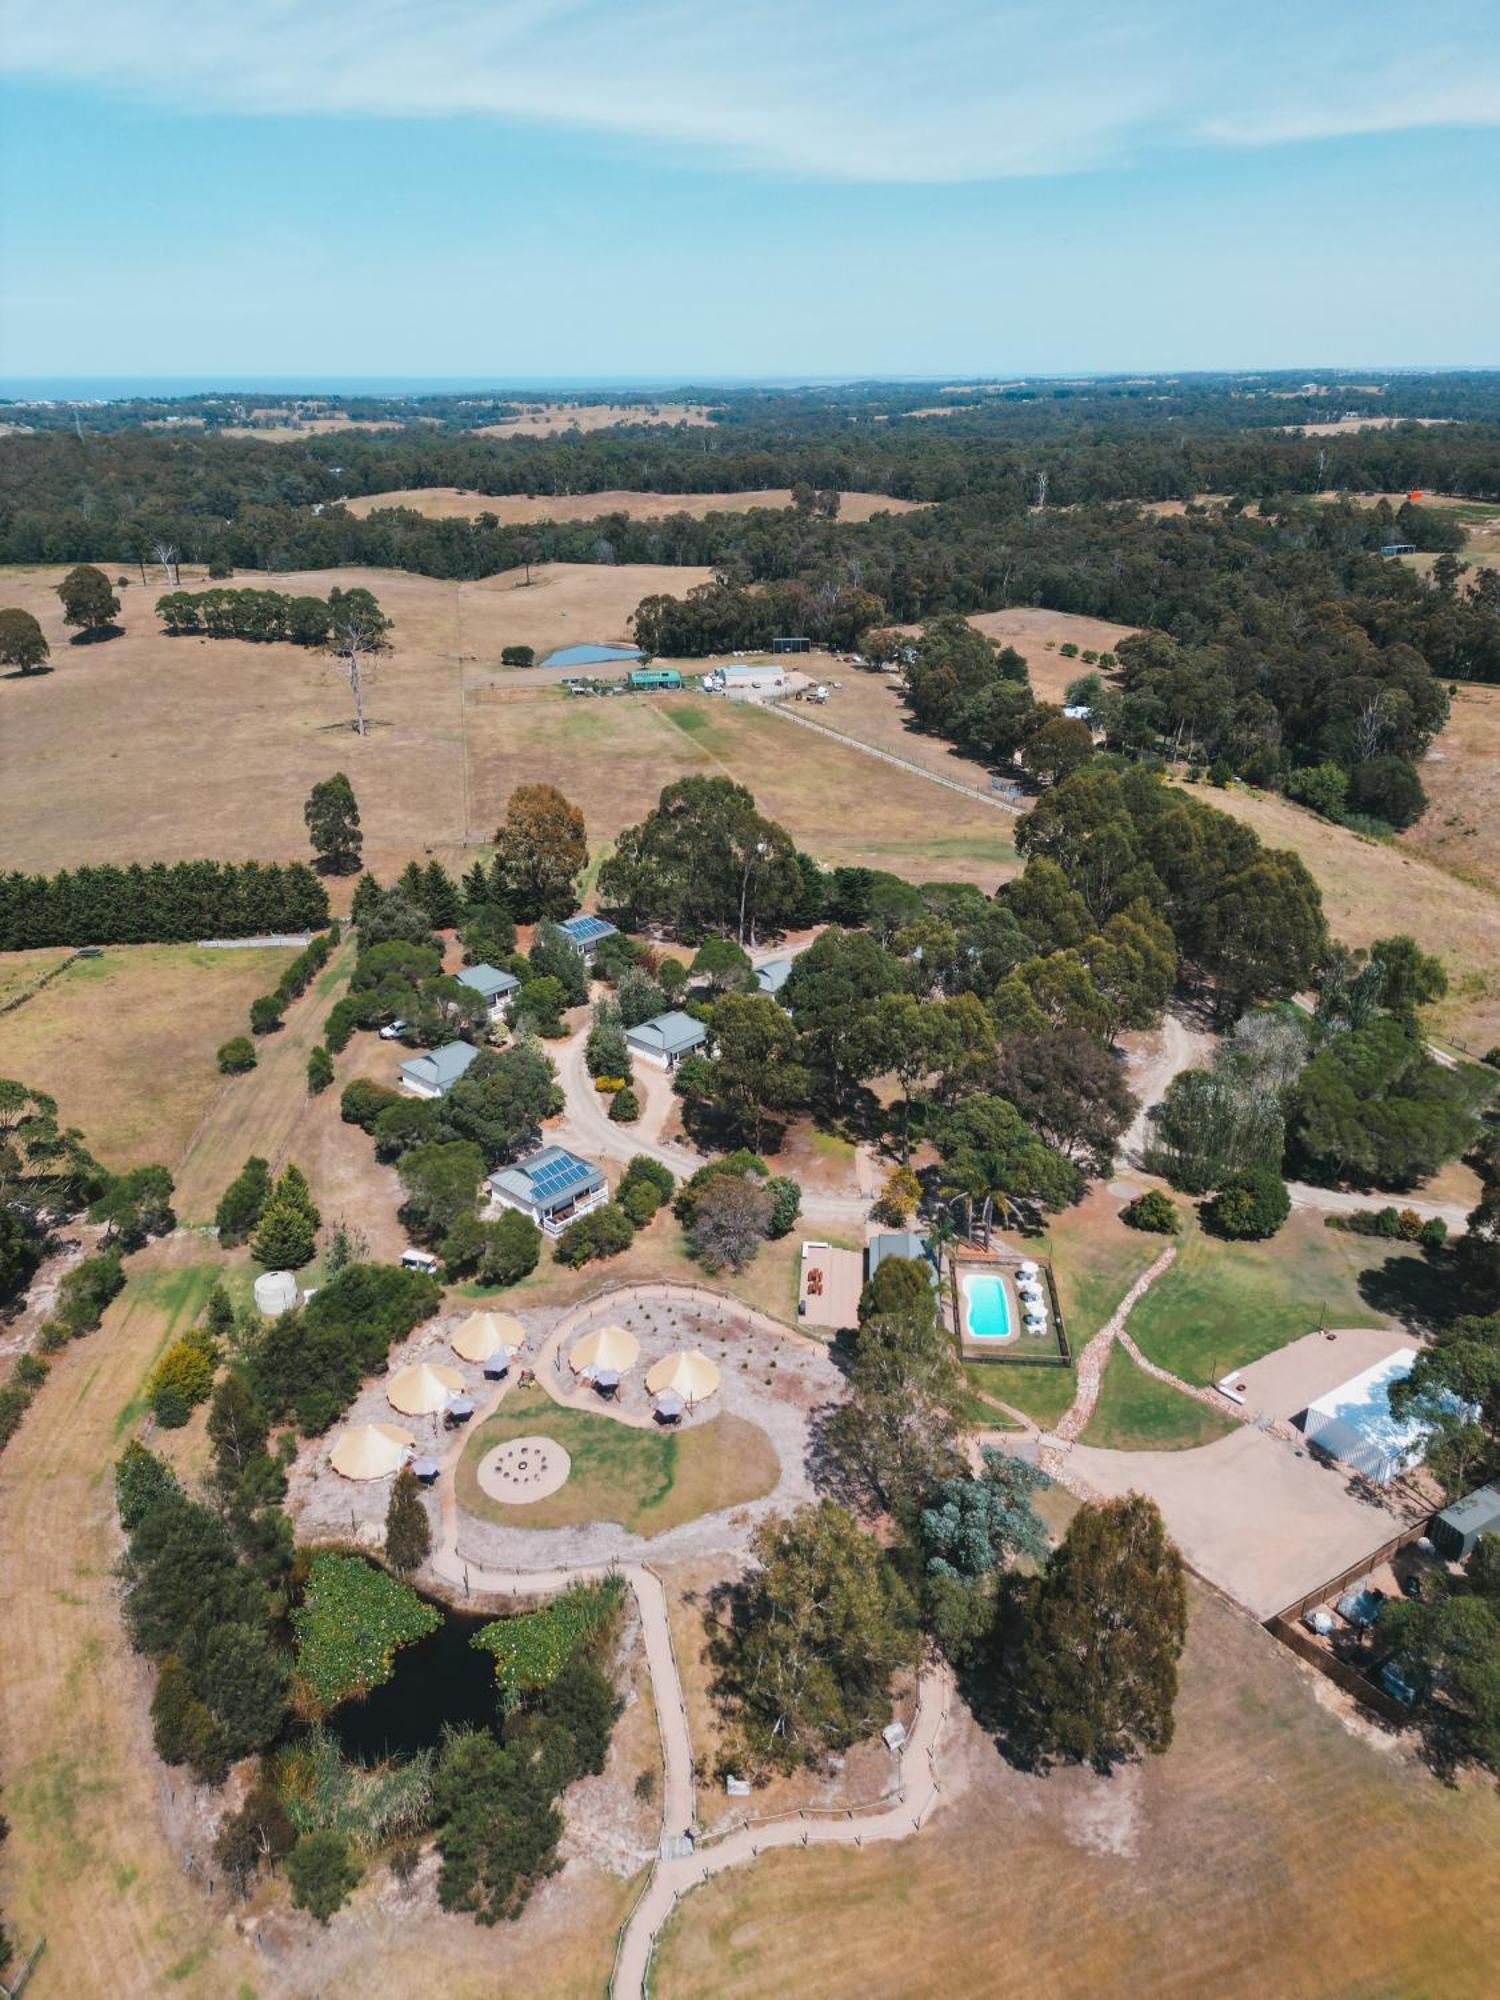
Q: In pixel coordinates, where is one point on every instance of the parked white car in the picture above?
(394, 1030)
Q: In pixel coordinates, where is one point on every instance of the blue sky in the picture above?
(511, 188)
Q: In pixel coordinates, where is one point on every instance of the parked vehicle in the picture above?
(394, 1030)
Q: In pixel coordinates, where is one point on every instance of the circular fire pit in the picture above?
(526, 1469)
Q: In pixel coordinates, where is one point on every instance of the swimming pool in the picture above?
(986, 1307)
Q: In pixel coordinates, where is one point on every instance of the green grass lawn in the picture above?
(1223, 1305)
(1095, 1260)
(1135, 1412)
(1042, 1393)
(648, 1481)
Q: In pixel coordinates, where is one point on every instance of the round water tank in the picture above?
(275, 1291)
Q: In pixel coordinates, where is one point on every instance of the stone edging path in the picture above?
(680, 1865)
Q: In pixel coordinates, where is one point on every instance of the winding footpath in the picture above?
(683, 1860)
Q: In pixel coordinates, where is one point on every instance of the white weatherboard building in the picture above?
(1355, 1423)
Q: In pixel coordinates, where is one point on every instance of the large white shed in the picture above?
(1355, 1422)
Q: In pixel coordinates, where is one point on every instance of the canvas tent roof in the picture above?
(370, 1451)
(424, 1389)
(689, 1373)
(609, 1347)
(484, 1335)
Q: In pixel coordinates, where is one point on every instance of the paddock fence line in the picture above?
(1413, 1531)
(1286, 1628)
(17, 1986)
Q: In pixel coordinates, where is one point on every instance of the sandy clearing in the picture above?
(550, 419)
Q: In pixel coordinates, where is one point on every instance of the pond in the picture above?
(441, 1681)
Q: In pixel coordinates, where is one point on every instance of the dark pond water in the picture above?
(442, 1680)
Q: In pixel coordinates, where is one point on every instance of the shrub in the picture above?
(319, 1070)
(1253, 1204)
(625, 1106)
(517, 656)
(607, 1086)
(786, 1204)
(1151, 1211)
(605, 1232)
(170, 1407)
(265, 1015)
(343, 1019)
(323, 1873)
(643, 1169)
(242, 1201)
(639, 1202)
(1434, 1234)
(86, 1291)
(185, 1371)
(362, 1101)
(236, 1055)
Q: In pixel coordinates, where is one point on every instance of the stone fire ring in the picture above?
(526, 1469)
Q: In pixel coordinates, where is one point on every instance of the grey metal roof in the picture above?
(488, 981)
(441, 1067)
(672, 1033)
(894, 1243)
(772, 976)
(1476, 1513)
(548, 1179)
(586, 929)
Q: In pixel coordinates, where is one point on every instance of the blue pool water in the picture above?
(986, 1308)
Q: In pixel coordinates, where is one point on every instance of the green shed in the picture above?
(654, 677)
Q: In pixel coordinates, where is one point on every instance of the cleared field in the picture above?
(126, 1042)
(617, 755)
(212, 745)
(1222, 1305)
(1038, 635)
(1460, 829)
(1219, 1868)
(1374, 889)
(1095, 1260)
(456, 503)
(1340, 426)
(646, 1480)
(550, 419)
(1135, 1412)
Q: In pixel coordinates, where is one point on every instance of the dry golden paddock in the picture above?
(460, 503)
(169, 748)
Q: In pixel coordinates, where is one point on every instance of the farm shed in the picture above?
(1455, 1531)
(667, 1038)
(1355, 1422)
(434, 1074)
(553, 1187)
(653, 677)
(772, 976)
(743, 677)
(897, 1243)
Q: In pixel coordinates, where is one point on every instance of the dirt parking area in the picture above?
(1255, 1514)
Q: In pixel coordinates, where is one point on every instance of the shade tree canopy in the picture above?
(704, 859)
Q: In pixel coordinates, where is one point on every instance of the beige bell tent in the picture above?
(610, 1348)
(690, 1375)
(484, 1335)
(370, 1451)
(423, 1390)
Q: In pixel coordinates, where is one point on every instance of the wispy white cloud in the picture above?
(867, 90)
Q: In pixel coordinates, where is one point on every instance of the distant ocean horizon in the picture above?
(122, 388)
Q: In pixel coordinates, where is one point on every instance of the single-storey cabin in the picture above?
(585, 931)
(666, 1038)
(772, 976)
(493, 986)
(435, 1073)
(554, 1187)
(898, 1243)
